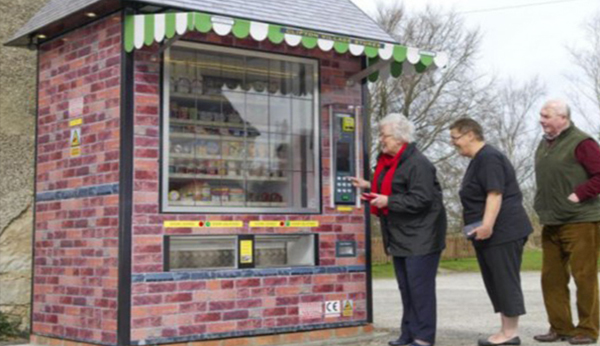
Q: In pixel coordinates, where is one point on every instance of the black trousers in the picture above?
(416, 281)
(501, 271)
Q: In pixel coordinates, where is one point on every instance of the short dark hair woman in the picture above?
(407, 197)
(493, 209)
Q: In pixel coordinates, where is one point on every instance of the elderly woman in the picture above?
(496, 222)
(407, 197)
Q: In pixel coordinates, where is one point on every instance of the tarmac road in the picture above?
(465, 313)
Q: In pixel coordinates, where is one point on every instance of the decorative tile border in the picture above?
(82, 192)
(257, 332)
(240, 273)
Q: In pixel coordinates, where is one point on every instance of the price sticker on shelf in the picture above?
(203, 224)
(283, 224)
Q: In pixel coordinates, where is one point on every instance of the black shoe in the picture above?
(485, 342)
(400, 342)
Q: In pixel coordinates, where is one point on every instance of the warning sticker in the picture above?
(75, 137)
(348, 308)
(76, 152)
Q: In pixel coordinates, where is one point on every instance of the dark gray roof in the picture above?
(53, 11)
(333, 16)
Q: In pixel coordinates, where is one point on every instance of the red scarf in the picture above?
(390, 162)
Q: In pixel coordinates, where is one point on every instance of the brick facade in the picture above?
(77, 208)
(181, 309)
(77, 204)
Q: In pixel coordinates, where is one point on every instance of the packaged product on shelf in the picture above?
(206, 116)
(201, 148)
(220, 194)
(197, 85)
(174, 195)
(212, 147)
(193, 113)
(174, 110)
(206, 195)
(276, 197)
(236, 195)
(222, 168)
(232, 168)
(219, 117)
(225, 149)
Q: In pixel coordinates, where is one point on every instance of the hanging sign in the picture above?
(203, 224)
(283, 224)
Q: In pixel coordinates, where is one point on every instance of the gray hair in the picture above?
(560, 106)
(402, 128)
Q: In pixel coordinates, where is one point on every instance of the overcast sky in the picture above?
(525, 39)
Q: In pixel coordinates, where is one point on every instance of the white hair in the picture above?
(560, 106)
(402, 128)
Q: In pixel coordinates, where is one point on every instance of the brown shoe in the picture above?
(581, 340)
(551, 336)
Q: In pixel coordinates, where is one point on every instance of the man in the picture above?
(567, 166)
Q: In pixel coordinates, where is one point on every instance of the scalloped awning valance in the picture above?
(146, 29)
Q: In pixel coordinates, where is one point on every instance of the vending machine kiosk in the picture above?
(191, 170)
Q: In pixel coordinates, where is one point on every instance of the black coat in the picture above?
(416, 222)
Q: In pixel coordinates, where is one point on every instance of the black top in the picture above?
(416, 223)
(490, 170)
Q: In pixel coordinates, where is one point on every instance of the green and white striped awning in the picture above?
(145, 30)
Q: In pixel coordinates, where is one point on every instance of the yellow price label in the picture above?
(303, 224)
(345, 209)
(280, 224)
(267, 223)
(203, 224)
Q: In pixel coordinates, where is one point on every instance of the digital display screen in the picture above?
(343, 157)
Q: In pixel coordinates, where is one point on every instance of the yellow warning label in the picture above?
(246, 251)
(280, 224)
(75, 122)
(76, 152)
(345, 209)
(203, 224)
(348, 308)
(348, 124)
(75, 137)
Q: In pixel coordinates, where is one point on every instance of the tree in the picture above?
(433, 100)
(585, 93)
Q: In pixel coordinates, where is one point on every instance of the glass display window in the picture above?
(240, 131)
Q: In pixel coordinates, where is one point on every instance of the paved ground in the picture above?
(464, 310)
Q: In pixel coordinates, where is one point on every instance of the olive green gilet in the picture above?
(557, 174)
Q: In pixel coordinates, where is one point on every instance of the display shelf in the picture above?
(189, 203)
(187, 177)
(183, 135)
(226, 158)
(222, 97)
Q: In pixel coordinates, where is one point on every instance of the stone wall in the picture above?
(17, 119)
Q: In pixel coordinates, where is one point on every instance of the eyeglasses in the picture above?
(384, 136)
(454, 139)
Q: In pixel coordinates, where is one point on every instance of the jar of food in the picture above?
(205, 193)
